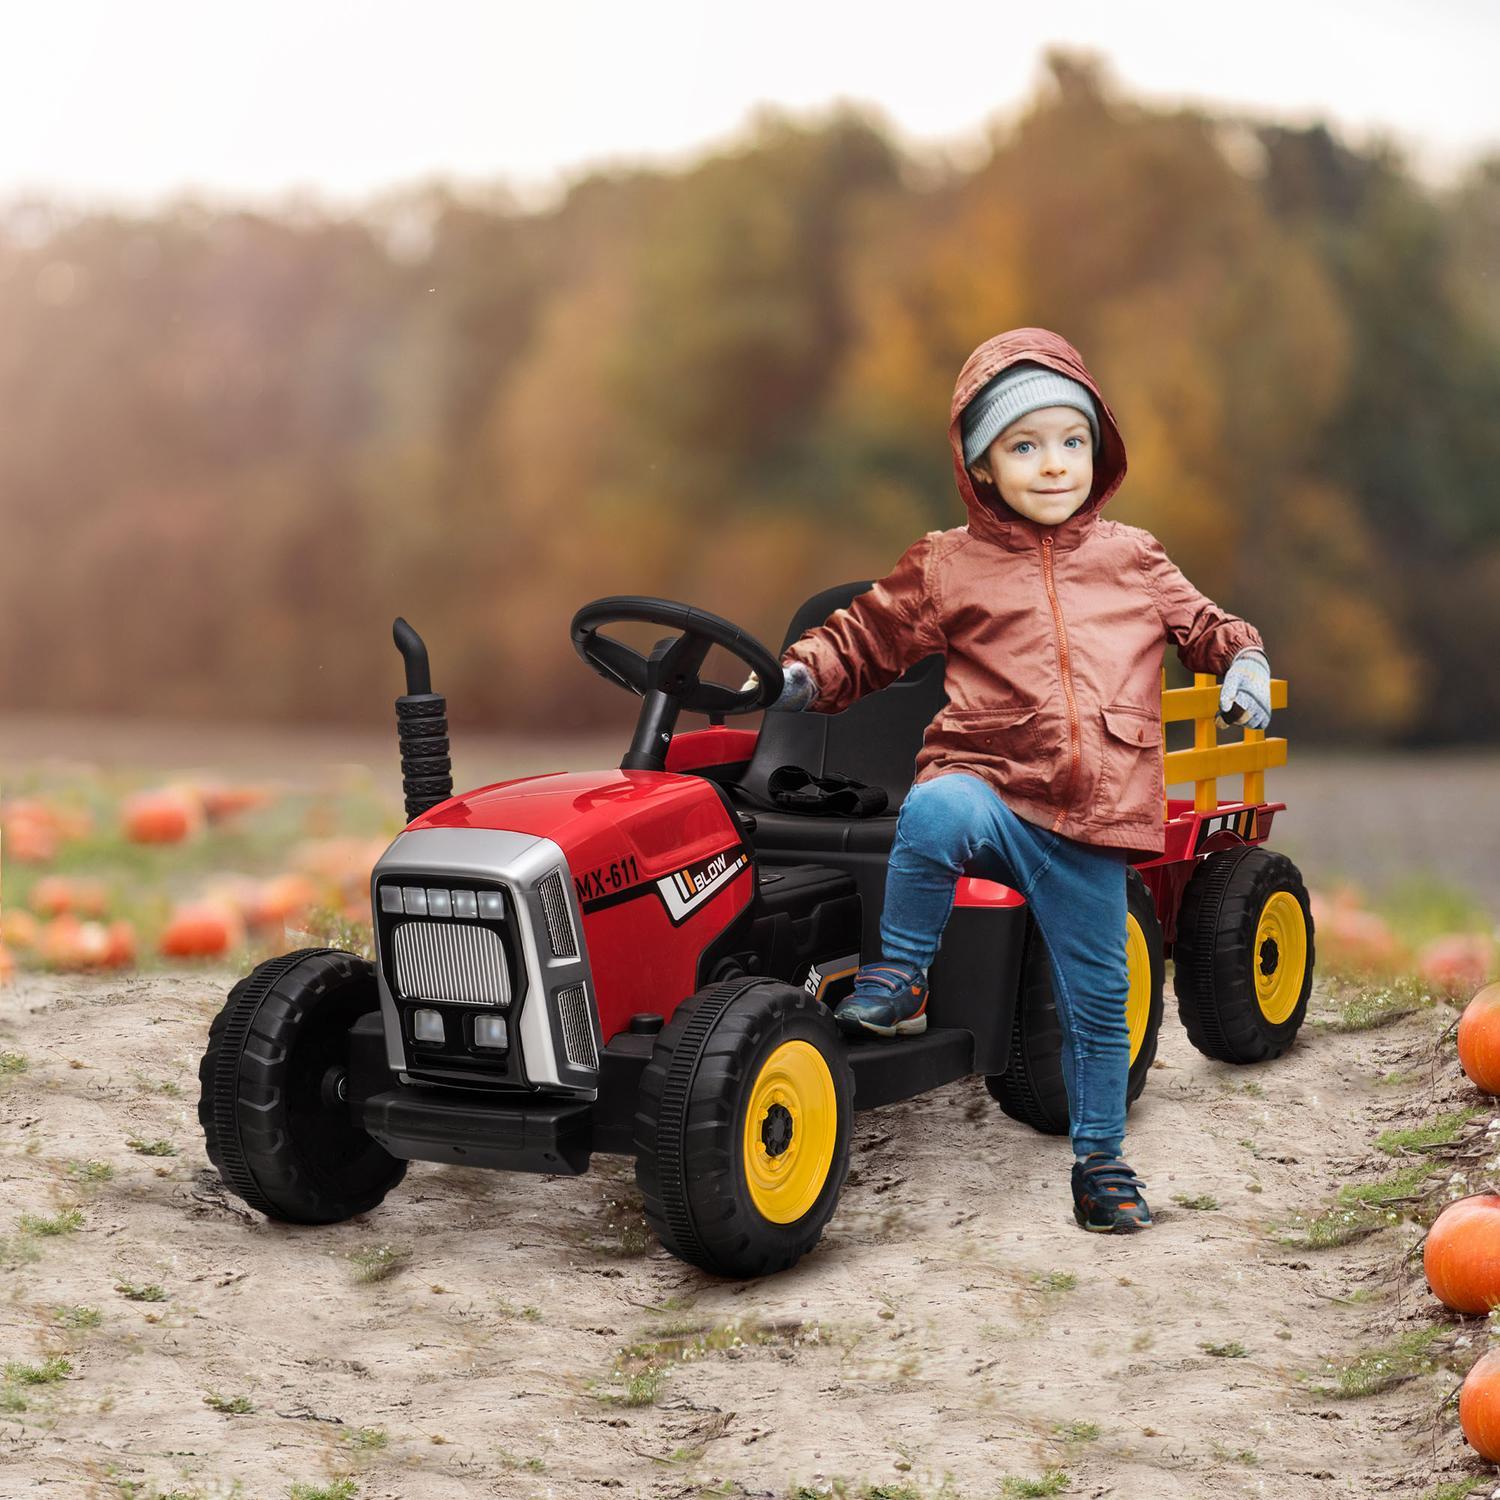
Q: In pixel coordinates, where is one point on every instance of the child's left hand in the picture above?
(1247, 685)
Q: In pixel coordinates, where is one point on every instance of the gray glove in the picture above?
(1247, 687)
(798, 689)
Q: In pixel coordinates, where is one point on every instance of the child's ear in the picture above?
(979, 473)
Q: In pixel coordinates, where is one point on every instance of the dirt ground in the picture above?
(954, 1334)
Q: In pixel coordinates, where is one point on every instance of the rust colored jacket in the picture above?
(1053, 635)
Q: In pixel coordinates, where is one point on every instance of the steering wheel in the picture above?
(672, 667)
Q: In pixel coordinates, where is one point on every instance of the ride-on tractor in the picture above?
(644, 960)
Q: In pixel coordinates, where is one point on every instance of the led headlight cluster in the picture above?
(431, 901)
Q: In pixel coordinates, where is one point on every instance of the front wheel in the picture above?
(742, 1127)
(1243, 960)
(273, 1084)
(1032, 1088)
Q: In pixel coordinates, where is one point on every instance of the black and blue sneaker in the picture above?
(1107, 1195)
(889, 999)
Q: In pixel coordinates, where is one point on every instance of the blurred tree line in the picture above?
(233, 446)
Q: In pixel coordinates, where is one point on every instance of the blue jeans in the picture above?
(956, 825)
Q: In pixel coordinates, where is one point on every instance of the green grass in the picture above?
(1053, 1482)
(1232, 1350)
(1076, 1432)
(367, 1439)
(1422, 906)
(1334, 1227)
(379, 1262)
(1381, 1002)
(12, 1062)
(1204, 1202)
(640, 1368)
(1054, 1281)
(231, 1406)
(79, 1317)
(151, 1148)
(133, 1293)
(1441, 1130)
(1458, 1489)
(66, 1222)
(90, 1171)
(1402, 1184)
(339, 1489)
(51, 1370)
(1371, 1371)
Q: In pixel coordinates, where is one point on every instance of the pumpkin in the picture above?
(201, 929)
(1461, 1255)
(1479, 1406)
(55, 894)
(285, 896)
(18, 929)
(161, 817)
(1479, 1039)
(1457, 961)
(7, 965)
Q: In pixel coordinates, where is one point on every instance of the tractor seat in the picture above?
(875, 740)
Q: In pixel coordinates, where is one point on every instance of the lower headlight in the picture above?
(427, 1025)
(489, 1031)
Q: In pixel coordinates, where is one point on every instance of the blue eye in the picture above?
(1024, 443)
(1077, 440)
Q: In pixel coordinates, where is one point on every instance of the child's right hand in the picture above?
(797, 688)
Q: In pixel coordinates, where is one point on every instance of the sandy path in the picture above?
(923, 1332)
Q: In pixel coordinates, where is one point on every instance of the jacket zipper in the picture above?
(1075, 738)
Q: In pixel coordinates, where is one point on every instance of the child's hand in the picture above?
(797, 688)
(1245, 697)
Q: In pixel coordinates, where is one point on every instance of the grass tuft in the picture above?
(79, 1317)
(51, 1370)
(231, 1406)
(61, 1223)
(1232, 1350)
(1371, 1371)
(1204, 1202)
(1053, 1482)
(12, 1062)
(1441, 1130)
(90, 1171)
(133, 1293)
(151, 1148)
(379, 1262)
(1334, 1227)
(1402, 1184)
(339, 1489)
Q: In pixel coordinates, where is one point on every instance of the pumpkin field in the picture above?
(953, 1335)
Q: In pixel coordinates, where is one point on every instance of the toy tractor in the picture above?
(644, 961)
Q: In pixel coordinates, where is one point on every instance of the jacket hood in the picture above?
(989, 515)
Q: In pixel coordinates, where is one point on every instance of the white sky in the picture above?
(131, 102)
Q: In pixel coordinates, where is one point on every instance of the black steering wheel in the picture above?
(672, 668)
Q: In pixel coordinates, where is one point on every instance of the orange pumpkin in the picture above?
(1479, 1039)
(18, 929)
(162, 817)
(283, 897)
(1461, 1255)
(201, 929)
(54, 894)
(7, 965)
(1479, 1406)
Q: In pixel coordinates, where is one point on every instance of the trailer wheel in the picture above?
(742, 1127)
(1032, 1088)
(271, 1100)
(1243, 958)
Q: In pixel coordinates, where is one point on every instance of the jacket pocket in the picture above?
(1007, 741)
(1130, 764)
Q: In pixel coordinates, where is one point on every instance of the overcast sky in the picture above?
(128, 103)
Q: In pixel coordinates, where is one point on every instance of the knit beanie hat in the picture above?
(1010, 395)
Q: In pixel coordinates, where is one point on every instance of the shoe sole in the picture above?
(913, 1026)
(1120, 1226)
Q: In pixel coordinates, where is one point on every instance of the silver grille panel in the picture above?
(443, 961)
(559, 923)
(578, 1034)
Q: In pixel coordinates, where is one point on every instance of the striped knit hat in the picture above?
(1015, 391)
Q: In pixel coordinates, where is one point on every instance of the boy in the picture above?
(1044, 771)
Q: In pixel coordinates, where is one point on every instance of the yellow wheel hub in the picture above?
(1138, 996)
(1280, 956)
(791, 1125)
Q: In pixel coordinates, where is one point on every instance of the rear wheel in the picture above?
(1032, 1088)
(1243, 958)
(273, 1083)
(742, 1128)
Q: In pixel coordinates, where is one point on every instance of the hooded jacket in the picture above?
(1053, 637)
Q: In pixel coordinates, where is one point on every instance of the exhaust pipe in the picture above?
(422, 724)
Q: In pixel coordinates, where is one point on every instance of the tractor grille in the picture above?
(444, 961)
(578, 1034)
(559, 924)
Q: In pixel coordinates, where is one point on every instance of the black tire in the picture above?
(690, 1126)
(269, 1100)
(1216, 956)
(1032, 1089)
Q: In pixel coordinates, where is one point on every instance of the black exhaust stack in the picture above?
(422, 723)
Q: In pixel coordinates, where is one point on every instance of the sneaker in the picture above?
(889, 999)
(1107, 1195)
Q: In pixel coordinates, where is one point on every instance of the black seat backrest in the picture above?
(874, 740)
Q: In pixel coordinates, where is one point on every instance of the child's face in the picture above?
(1042, 464)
